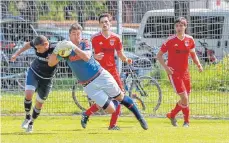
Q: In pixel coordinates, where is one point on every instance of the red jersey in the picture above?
(108, 46)
(178, 52)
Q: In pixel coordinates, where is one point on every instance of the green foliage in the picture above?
(214, 77)
(94, 8)
(56, 11)
(62, 83)
(13, 9)
(89, 8)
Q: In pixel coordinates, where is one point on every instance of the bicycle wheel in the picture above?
(148, 90)
(21, 81)
(139, 102)
(80, 98)
(15, 82)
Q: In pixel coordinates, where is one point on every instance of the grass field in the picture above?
(67, 129)
(202, 103)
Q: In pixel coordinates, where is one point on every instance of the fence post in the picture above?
(119, 30)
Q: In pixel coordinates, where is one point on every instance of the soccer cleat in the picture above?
(114, 128)
(84, 120)
(186, 124)
(143, 123)
(25, 124)
(173, 120)
(29, 129)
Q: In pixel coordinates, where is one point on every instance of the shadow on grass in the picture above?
(121, 127)
(70, 130)
(23, 133)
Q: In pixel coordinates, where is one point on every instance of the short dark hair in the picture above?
(39, 40)
(105, 15)
(181, 20)
(75, 26)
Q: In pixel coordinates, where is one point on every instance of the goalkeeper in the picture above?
(98, 83)
(38, 78)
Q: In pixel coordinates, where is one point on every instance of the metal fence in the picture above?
(143, 26)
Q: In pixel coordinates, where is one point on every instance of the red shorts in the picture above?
(181, 82)
(115, 74)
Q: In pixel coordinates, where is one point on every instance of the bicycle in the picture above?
(206, 55)
(150, 52)
(136, 87)
(145, 90)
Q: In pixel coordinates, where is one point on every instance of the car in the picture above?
(128, 36)
(206, 26)
(5, 44)
(54, 35)
(9, 32)
(14, 31)
(59, 34)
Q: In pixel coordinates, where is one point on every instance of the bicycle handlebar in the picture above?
(204, 44)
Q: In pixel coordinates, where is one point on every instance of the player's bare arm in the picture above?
(196, 60)
(26, 47)
(123, 57)
(53, 60)
(99, 56)
(84, 55)
(169, 70)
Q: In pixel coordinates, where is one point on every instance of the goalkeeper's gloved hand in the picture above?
(63, 45)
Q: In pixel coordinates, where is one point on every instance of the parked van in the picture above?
(206, 26)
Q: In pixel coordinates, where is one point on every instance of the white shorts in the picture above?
(101, 88)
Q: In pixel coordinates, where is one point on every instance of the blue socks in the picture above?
(128, 103)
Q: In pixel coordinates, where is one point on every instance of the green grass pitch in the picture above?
(67, 129)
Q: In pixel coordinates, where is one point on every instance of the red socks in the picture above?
(115, 116)
(92, 110)
(186, 113)
(176, 110)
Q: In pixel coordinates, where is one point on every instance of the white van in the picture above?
(207, 25)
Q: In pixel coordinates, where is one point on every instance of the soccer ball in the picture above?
(65, 52)
(64, 48)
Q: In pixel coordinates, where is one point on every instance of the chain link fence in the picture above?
(143, 26)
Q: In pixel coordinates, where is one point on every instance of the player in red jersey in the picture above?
(179, 47)
(105, 43)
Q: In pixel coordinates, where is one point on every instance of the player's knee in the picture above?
(29, 94)
(184, 100)
(184, 97)
(109, 107)
(119, 97)
(38, 105)
(110, 110)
